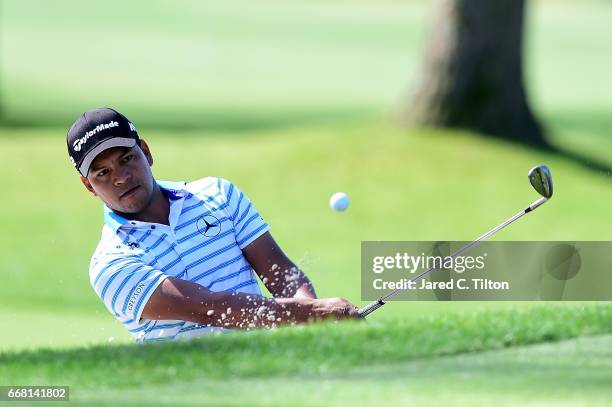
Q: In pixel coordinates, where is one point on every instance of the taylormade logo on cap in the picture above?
(78, 143)
(95, 131)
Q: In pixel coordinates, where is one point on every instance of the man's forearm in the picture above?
(278, 273)
(244, 311)
(247, 311)
(289, 281)
(177, 299)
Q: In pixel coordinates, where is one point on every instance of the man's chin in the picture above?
(132, 204)
(131, 208)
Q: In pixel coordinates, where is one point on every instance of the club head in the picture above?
(541, 180)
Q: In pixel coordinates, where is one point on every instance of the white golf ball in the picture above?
(339, 202)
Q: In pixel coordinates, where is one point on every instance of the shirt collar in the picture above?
(174, 190)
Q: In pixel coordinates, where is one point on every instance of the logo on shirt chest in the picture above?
(209, 225)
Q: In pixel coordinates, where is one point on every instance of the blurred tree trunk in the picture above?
(473, 75)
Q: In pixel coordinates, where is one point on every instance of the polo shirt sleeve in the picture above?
(124, 283)
(248, 223)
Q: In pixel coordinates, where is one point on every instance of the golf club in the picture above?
(541, 180)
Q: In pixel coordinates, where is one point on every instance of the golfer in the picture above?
(180, 259)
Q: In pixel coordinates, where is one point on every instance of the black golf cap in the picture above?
(95, 131)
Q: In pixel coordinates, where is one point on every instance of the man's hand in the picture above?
(337, 308)
(318, 309)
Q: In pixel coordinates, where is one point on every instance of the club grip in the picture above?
(365, 311)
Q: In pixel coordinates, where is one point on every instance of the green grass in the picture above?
(196, 68)
(573, 372)
(569, 373)
(38, 326)
(341, 349)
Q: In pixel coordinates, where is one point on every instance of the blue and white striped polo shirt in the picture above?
(211, 220)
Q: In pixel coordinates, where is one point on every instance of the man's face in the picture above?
(122, 178)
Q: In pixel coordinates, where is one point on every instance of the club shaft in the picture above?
(382, 300)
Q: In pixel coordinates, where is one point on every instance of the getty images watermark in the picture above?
(492, 271)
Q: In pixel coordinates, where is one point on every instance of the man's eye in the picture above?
(127, 158)
(101, 173)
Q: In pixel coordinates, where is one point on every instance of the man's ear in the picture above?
(145, 149)
(87, 184)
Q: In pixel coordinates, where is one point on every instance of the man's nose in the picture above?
(122, 176)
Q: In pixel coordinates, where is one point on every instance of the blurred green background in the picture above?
(292, 101)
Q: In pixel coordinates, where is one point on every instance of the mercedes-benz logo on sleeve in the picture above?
(209, 226)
